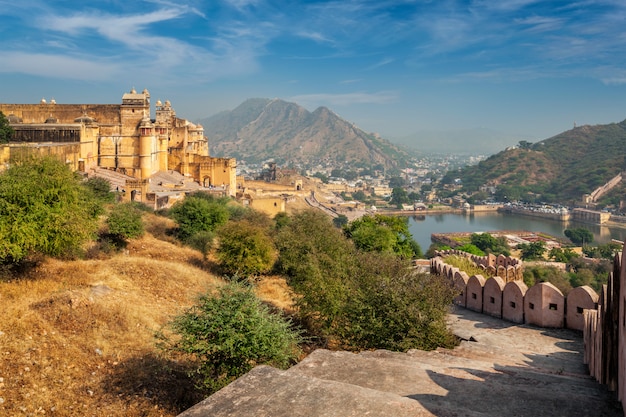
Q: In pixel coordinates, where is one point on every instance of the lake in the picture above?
(422, 226)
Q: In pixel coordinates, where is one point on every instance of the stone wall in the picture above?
(541, 305)
(605, 332)
(602, 318)
(506, 267)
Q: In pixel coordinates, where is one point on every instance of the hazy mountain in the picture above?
(262, 129)
(561, 168)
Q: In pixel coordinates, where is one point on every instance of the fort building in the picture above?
(121, 138)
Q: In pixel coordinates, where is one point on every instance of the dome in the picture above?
(158, 103)
(84, 119)
(13, 119)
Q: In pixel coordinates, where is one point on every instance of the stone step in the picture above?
(442, 382)
(268, 392)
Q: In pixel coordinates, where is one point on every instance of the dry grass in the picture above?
(77, 338)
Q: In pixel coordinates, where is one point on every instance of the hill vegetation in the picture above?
(79, 333)
(558, 169)
(263, 129)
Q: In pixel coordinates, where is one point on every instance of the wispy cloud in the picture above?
(56, 66)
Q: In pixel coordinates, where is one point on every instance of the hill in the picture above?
(77, 337)
(263, 129)
(559, 169)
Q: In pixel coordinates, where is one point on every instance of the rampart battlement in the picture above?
(542, 304)
(506, 267)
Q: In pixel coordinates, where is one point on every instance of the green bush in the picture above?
(360, 300)
(45, 209)
(228, 334)
(245, 249)
(101, 189)
(198, 214)
(125, 221)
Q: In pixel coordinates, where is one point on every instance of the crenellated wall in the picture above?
(542, 304)
(506, 267)
(602, 318)
(605, 332)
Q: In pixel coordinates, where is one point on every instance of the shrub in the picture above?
(101, 189)
(198, 214)
(245, 249)
(360, 300)
(44, 208)
(125, 222)
(230, 333)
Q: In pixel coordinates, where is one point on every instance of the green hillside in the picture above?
(558, 169)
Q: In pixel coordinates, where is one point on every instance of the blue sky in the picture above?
(524, 67)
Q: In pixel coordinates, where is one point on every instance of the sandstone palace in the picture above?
(152, 157)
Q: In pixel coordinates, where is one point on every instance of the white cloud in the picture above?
(57, 66)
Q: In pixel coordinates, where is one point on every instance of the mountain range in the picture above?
(271, 129)
(561, 168)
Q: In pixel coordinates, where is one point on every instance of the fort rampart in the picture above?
(542, 304)
(601, 318)
(506, 267)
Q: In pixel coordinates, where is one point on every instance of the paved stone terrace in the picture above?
(500, 369)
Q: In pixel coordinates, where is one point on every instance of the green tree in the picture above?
(46, 209)
(561, 255)
(490, 244)
(101, 188)
(579, 236)
(399, 197)
(6, 131)
(382, 233)
(197, 214)
(340, 221)
(533, 250)
(359, 299)
(359, 195)
(473, 249)
(396, 182)
(227, 334)
(245, 249)
(124, 221)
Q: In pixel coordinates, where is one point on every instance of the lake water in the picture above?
(423, 226)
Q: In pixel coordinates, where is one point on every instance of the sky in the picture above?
(520, 67)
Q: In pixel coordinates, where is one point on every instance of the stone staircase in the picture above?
(499, 369)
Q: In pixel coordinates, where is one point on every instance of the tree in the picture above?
(229, 333)
(360, 300)
(473, 249)
(399, 197)
(46, 209)
(382, 233)
(561, 255)
(6, 131)
(533, 250)
(196, 214)
(579, 235)
(340, 221)
(359, 195)
(125, 222)
(101, 188)
(396, 182)
(489, 244)
(245, 249)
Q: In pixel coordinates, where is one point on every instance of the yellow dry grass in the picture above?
(77, 337)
